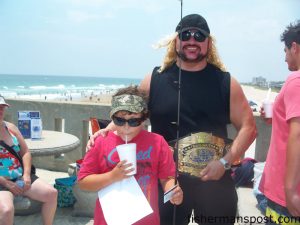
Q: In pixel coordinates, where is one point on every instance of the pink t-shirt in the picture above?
(154, 161)
(286, 106)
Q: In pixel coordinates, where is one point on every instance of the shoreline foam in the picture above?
(251, 93)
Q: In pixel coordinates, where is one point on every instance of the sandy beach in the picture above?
(101, 98)
(251, 93)
(257, 95)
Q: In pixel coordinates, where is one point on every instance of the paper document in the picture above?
(124, 202)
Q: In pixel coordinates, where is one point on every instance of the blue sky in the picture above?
(113, 38)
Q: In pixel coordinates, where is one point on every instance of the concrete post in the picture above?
(58, 124)
(85, 136)
(262, 140)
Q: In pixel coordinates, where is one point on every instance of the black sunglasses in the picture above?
(134, 122)
(186, 35)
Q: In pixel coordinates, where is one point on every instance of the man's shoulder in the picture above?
(170, 68)
(155, 70)
(294, 75)
(217, 69)
(293, 80)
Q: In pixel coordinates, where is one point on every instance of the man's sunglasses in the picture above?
(186, 35)
(134, 122)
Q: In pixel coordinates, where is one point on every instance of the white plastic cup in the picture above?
(268, 108)
(128, 152)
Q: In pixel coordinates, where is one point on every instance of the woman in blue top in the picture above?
(11, 171)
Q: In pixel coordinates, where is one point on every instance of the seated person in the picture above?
(102, 167)
(11, 170)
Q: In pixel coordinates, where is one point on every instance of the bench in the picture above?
(85, 200)
(25, 206)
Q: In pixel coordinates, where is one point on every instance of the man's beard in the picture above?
(184, 58)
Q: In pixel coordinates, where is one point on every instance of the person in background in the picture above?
(101, 165)
(11, 172)
(280, 181)
(210, 100)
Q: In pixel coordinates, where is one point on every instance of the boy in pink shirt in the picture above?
(102, 166)
(280, 182)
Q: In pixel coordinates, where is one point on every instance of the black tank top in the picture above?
(205, 97)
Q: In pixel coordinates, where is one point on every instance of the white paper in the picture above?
(36, 128)
(124, 202)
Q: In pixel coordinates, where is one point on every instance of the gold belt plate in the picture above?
(197, 150)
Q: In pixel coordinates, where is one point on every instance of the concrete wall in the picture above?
(262, 139)
(76, 116)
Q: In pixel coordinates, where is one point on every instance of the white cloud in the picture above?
(148, 6)
(81, 16)
(89, 2)
(246, 27)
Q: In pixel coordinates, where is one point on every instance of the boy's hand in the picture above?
(121, 170)
(177, 197)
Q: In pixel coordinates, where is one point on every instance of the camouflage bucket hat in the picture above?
(131, 103)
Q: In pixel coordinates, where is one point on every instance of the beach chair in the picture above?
(97, 124)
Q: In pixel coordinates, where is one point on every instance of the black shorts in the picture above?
(213, 202)
(32, 176)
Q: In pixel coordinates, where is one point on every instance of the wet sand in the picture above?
(257, 95)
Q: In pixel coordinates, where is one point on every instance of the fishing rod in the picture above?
(178, 110)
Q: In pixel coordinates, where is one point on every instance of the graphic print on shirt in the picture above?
(9, 164)
(144, 168)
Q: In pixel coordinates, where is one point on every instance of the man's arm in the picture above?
(145, 83)
(96, 182)
(241, 117)
(292, 176)
(177, 196)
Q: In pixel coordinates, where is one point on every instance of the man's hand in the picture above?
(213, 171)
(91, 142)
(263, 116)
(293, 203)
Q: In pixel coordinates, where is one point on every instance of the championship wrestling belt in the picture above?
(198, 149)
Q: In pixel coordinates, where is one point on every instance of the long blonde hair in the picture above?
(171, 56)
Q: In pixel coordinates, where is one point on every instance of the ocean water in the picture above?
(59, 87)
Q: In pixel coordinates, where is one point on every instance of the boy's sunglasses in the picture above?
(186, 35)
(134, 122)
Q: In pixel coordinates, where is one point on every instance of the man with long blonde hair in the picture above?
(210, 100)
